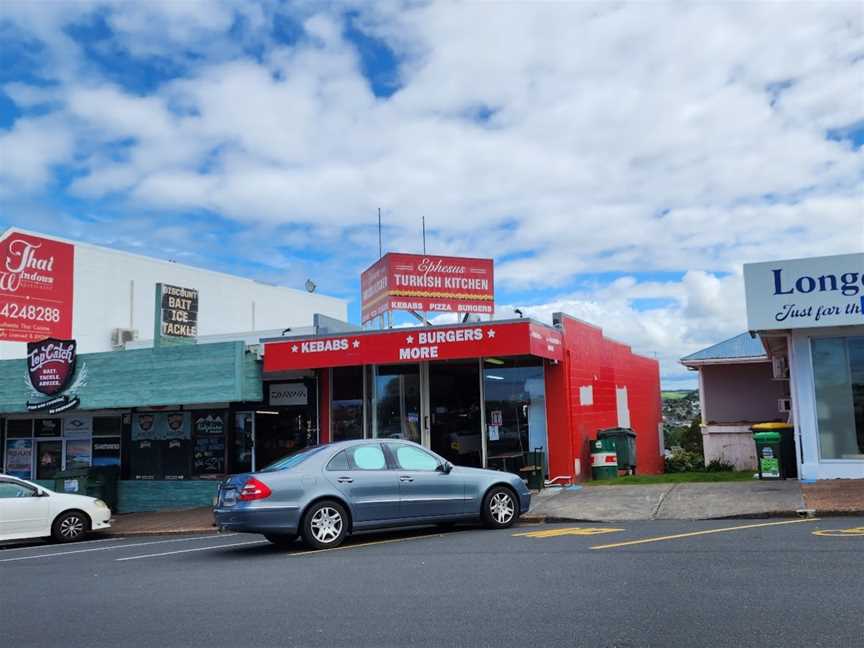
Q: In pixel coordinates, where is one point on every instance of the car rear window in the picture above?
(292, 460)
(338, 462)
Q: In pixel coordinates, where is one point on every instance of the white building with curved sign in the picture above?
(809, 314)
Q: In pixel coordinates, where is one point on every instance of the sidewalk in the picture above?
(196, 520)
(837, 497)
(590, 503)
(688, 501)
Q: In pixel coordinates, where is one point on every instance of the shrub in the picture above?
(681, 460)
(719, 465)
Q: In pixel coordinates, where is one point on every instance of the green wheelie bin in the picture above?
(625, 447)
(72, 481)
(604, 459)
(769, 455)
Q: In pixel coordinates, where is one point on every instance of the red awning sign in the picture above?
(414, 345)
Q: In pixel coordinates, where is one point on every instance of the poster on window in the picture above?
(106, 452)
(48, 427)
(159, 426)
(78, 454)
(78, 426)
(19, 458)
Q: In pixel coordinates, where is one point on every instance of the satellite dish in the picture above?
(310, 286)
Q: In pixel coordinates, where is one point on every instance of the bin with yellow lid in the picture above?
(785, 453)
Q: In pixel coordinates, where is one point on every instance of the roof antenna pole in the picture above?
(423, 225)
(380, 248)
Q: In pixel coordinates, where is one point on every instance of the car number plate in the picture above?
(229, 497)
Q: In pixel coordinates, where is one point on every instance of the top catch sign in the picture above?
(36, 284)
(424, 282)
(805, 293)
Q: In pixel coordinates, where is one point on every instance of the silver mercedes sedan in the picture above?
(326, 492)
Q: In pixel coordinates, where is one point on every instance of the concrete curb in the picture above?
(543, 519)
(155, 532)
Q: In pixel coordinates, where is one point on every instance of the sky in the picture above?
(619, 161)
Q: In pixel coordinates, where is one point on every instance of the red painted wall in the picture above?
(606, 365)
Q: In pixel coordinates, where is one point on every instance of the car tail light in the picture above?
(254, 490)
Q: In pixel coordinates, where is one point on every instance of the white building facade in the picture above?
(810, 315)
(105, 298)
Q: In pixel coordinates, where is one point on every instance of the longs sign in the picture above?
(805, 293)
(36, 278)
(427, 283)
(415, 345)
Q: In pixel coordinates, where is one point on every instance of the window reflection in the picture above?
(397, 402)
(515, 411)
(838, 369)
(347, 403)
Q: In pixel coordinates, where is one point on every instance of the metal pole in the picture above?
(380, 247)
(423, 219)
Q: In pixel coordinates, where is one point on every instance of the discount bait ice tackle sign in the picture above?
(805, 293)
(51, 366)
(36, 283)
(179, 311)
(421, 282)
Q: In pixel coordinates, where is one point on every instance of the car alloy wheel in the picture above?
(502, 508)
(69, 527)
(326, 525)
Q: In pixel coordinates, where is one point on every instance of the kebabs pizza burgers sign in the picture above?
(51, 377)
(421, 282)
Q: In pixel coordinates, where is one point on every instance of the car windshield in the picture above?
(292, 460)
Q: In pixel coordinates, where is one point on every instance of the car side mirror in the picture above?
(41, 493)
(445, 467)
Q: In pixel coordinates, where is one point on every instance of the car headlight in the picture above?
(100, 504)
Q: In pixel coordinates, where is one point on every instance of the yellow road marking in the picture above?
(572, 531)
(315, 552)
(841, 533)
(698, 533)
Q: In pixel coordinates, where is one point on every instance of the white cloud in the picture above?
(620, 138)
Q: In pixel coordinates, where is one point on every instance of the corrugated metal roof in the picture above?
(740, 346)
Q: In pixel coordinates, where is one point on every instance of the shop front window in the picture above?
(346, 407)
(838, 370)
(515, 397)
(160, 445)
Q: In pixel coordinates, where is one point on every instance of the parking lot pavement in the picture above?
(630, 584)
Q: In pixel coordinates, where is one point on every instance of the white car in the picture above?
(28, 510)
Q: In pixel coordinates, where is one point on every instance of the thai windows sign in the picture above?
(36, 284)
(427, 283)
(805, 293)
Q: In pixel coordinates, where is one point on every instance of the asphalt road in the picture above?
(777, 585)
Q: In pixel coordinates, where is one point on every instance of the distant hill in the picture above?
(680, 407)
(677, 394)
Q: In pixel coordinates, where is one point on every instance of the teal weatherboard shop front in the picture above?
(192, 391)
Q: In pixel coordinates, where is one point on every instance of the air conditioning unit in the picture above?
(780, 368)
(784, 404)
(120, 336)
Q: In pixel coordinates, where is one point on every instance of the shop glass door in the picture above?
(49, 458)
(455, 411)
(397, 403)
(515, 397)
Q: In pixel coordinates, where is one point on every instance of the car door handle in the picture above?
(406, 478)
(344, 480)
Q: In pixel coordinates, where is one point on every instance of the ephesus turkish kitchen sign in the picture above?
(36, 284)
(179, 308)
(427, 283)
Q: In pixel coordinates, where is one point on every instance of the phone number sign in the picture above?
(36, 288)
